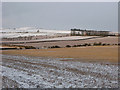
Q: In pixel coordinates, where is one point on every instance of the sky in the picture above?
(0, 15)
(61, 15)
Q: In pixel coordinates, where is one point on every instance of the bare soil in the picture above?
(92, 53)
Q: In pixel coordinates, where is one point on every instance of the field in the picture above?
(83, 67)
(73, 67)
(107, 40)
(106, 53)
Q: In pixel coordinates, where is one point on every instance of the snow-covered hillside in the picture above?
(30, 31)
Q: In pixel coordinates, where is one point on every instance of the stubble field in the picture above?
(85, 67)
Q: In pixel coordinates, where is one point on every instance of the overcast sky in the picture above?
(61, 16)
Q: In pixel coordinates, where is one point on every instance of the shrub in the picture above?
(68, 46)
(104, 44)
(49, 47)
(108, 44)
(29, 47)
(97, 44)
(74, 46)
(57, 46)
(89, 44)
(54, 47)
(85, 44)
(94, 43)
(20, 47)
(79, 45)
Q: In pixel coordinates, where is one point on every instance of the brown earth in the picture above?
(92, 53)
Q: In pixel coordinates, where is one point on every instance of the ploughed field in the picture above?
(72, 40)
(40, 72)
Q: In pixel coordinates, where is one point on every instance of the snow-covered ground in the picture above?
(69, 38)
(38, 72)
(30, 31)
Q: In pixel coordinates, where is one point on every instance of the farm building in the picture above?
(79, 32)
